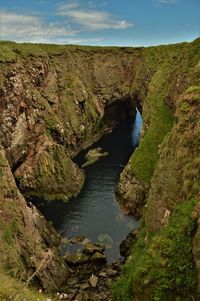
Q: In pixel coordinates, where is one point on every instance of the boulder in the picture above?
(127, 243)
(98, 257)
(76, 259)
(77, 239)
(93, 281)
(94, 155)
(91, 248)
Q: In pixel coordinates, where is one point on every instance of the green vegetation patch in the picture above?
(162, 265)
(160, 122)
(184, 107)
(7, 54)
(10, 51)
(2, 161)
(11, 287)
(2, 164)
(193, 89)
(7, 235)
(27, 49)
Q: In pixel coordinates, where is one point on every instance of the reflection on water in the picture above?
(95, 213)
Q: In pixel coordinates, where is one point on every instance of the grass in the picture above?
(2, 161)
(7, 235)
(7, 54)
(2, 164)
(10, 286)
(154, 84)
(159, 123)
(11, 51)
(50, 122)
(162, 263)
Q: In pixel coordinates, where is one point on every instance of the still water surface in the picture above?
(95, 213)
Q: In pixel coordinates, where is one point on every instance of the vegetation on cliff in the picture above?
(161, 266)
(158, 122)
(11, 287)
(27, 243)
(56, 100)
(165, 70)
(164, 264)
(10, 51)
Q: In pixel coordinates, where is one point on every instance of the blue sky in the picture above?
(98, 22)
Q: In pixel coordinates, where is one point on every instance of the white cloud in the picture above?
(91, 19)
(83, 41)
(20, 27)
(167, 1)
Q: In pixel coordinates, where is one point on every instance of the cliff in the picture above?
(27, 242)
(164, 175)
(54, 101)
(57, 100)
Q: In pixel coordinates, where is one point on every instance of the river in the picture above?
(94, 213)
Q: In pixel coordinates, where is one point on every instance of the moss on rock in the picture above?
(161, 266)
(53, 175)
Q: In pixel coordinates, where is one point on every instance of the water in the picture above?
(95, 213)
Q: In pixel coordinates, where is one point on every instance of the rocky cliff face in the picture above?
(27, 242)
(53, 105)
(57, 100)
(54, 101)
(164, 263)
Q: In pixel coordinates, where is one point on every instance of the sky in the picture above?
(99, 22)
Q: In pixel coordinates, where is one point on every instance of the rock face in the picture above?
(131, 192)
(54, 104)
(50, 173)
(127, 244)
(167, 161)
(55, 101)
(28, 243)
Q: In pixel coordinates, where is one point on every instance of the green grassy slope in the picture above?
(162, 262)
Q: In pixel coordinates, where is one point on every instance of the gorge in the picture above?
(94, 213)
(58, 100)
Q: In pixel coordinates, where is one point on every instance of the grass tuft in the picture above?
(162, 263)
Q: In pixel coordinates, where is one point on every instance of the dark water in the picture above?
(95, 213)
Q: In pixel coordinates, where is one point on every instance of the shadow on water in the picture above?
(94, 213)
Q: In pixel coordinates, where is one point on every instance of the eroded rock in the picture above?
(34, 240)
(127, 243)
(93, 281)
(94, 155)
(131, 192)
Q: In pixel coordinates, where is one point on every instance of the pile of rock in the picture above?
(92, 256)
(90, 277)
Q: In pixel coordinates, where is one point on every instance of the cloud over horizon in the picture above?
(100, 22)
(21, 27)
(90, 18)
(72, 20)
